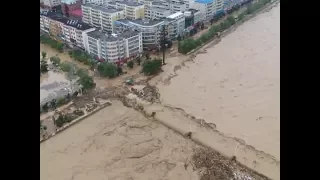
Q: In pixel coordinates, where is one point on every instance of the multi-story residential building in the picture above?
(157, 7)
(150, 30)
(176, 25)
(67, 6)
(205, 7)
(71, 32)
(189, 3)
(133, 10)
(192, 16)
(97, 2)
(114, 47)
(228, 4)
(45, 20)
(217, 6)
(156, 13)
(101, 17)
(51, 3)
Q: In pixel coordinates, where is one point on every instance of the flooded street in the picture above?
(236, 84)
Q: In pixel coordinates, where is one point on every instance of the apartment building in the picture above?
(101, 17)
(228, 4)
(132, 10)
(172, 5)
(69, 31)
(67, 6)
(205, 7)
(176, 25)
(150, 30)
(217, 6)
(114, 47)
(51, 3)
(192, 16)
(189, 3)
(154, 13)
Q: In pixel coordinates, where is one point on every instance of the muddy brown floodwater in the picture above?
(236, 84)
(117, 143)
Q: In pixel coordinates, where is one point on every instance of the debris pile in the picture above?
(213, 166)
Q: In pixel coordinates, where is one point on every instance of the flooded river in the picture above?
(236, 84)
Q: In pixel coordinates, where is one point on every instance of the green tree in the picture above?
(130, 64)
(147, 54)
(231, 20)
(107, 70)
(202, 26)
(43, 54)
(86, 81)
(138, 61)
(43, 66)
(241, 16)
(179, 38)
(55, 60)
(65, 66)
(187, 45)
(152, 66)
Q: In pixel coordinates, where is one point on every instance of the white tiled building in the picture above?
(51, 3)
(101, 17)
(114, 47)
(208, 8)
(156, 13)
(71, 32)
(150, 30)
(176, 25)
(205, 7)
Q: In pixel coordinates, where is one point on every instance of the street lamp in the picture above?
(163, 42)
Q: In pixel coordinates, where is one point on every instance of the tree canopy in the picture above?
(108, 69)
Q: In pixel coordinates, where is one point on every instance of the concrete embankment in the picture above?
(206, 135)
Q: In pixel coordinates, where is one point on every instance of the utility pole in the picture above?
(163, 44)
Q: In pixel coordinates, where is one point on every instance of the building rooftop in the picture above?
(156, 9)
(102, 8)
(175, 15)
(146, 22)
(68, 1)
(76, 12)
(129, 3)
(71, 22)
(114, 37)
(175, 2)
(48, 13)
(204, 1)
(193, 10)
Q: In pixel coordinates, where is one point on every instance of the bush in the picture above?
(66, 67)
(53, 43)
(152, 66)
(130, 64)
(86, 81)
(80, 56)
(231, 20)
(108, 70)
(43, 66)
(55, 60)
(187, 45)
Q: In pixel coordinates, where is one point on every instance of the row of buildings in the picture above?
(114, 30)
(75, 33)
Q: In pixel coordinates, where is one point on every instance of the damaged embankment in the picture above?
(146, 100)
